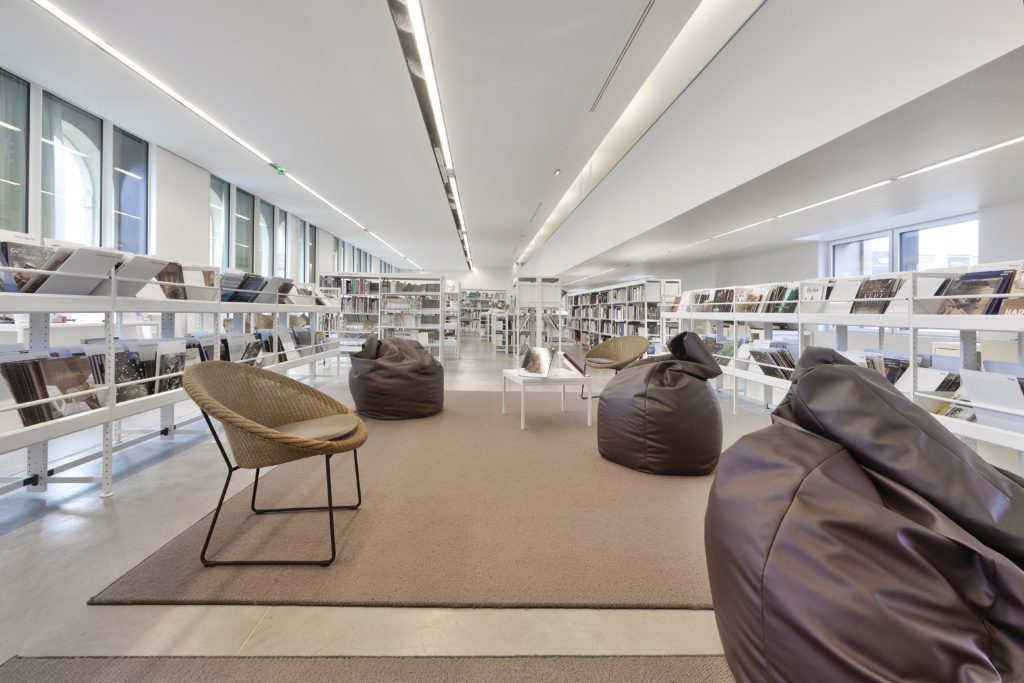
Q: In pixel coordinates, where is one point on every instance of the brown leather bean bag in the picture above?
(396, 379)
(856, 539)
(660, 415)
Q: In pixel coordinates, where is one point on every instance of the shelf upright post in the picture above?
(109, 334)
(313, 316)
(38, 454)
(969, 350)
(167, 331)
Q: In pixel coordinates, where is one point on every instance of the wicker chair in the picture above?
(270, 419)
(616, 353)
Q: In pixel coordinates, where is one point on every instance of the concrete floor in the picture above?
(60, 547)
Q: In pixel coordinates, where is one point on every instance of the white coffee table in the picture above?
(556, 377)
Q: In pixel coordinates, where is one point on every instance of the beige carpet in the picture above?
(377, 669)
(459, 510)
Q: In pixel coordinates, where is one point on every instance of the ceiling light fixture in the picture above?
(424, 80)
(99, 42)
(603, 272)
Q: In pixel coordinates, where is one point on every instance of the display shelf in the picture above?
(923, 337)
(630, 308)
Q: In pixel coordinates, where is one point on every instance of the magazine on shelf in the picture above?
(286, 345)
(38, 378)
(132, 275)
(537, 361)
(174, 276)
(94, 263)
(722, 302)
(271, 292)
(883, 289)
(170, 355)
(200, 282)
(127, 368)
(841, 295)
(976, 284)
(21, 255)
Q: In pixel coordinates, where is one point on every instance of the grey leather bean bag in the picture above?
(660, 415)
(856, 539)
(396, 379)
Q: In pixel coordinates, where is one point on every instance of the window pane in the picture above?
(13, 153)
(281, 244)
(265, 239)
(862, 257)
(940, 247)
(220, 198)
(310, 270)
(131, 171)
(72, 140)
(244, 215)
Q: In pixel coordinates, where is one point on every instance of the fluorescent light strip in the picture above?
(603, 272)
(836, 198)
(925, 169)
(128, 173)
(962, 157)
(4, 124)
(99, 42)
(419, 32)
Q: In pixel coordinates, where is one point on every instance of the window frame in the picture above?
(895, 236)
(115, 194)
(27, 133)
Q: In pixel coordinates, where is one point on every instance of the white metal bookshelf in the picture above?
(631, 308)
(534, 297)
(474, 305)
(452, 332)
(390, 305)
(910, 328)
(40, 470)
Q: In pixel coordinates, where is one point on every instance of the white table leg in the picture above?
(563, 398)
(504, 385)
(522, 405)
(590, 388)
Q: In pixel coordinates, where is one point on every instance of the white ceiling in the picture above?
(797, 76)
(974, 111)
(322, 88)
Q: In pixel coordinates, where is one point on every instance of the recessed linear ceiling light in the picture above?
(99, 42)
(603, 272)
(872, 186)
(424, 81)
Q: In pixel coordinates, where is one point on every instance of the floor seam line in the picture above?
(252, 631)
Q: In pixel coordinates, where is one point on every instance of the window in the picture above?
(868, 256)
(336, 253)
(942, 246)
(309, 267)
(265, 239)
(220, 228)
(948, 243)
(130, 172)
(281, 244)
(72, 140)
(13, 153)
(244, 214)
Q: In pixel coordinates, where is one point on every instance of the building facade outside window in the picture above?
(265, 239)
(131, 186)
(245, 210)
(71, 143)
(13, 153)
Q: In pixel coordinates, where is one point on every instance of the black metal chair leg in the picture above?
(263, 511)
(330, 508)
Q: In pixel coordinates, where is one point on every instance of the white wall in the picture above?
(482, 278)
(1001, 232)
(181, 209)
(796, 261)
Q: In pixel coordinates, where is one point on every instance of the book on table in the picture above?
(536, 361)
